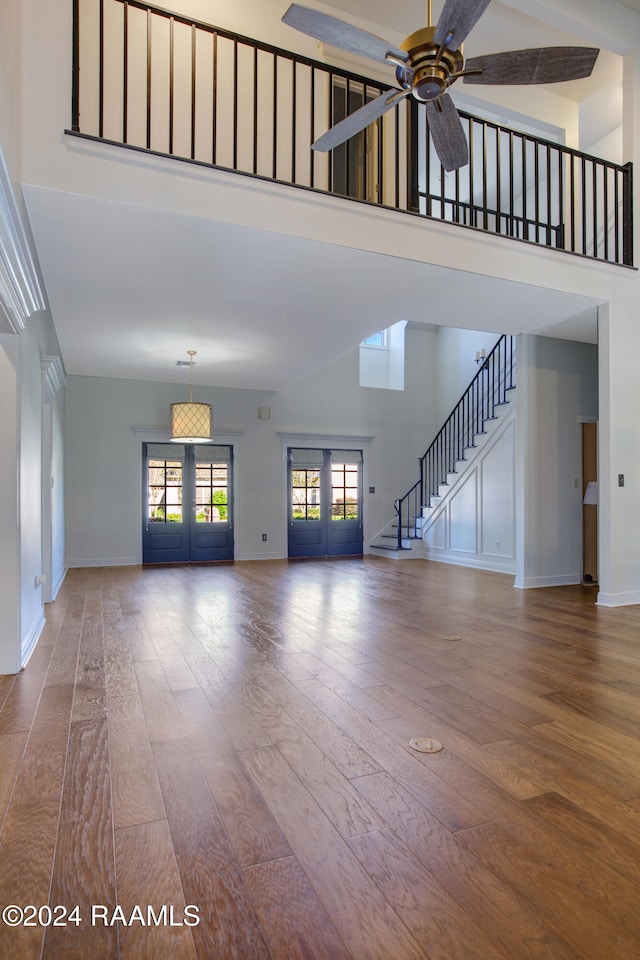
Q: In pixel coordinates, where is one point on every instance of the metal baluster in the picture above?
(312, 127)
(255, 109)
(594, 178)
(293, 122)
(275, 118)
(549, 211)
(171, 75)
(125, 79)
(214, 106)
(627, 214)
(100, 73)
(75, 69)
(584, 205)
(194, 73)
(616, 202)
(605, 210)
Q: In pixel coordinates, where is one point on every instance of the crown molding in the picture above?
(21, 294)
(341, 442)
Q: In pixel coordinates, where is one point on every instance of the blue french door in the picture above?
(188, 503)
(325, 502)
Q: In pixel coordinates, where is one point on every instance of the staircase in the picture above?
(466, 431)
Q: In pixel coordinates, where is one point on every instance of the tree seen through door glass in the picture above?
(305, 494)
(344, 491)
(212, 492)
(165, 491)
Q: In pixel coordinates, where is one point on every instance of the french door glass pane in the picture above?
(344, 491)
(212, 492)
(305, 494)
(164, 499)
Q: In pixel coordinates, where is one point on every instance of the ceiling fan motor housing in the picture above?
(427, 76)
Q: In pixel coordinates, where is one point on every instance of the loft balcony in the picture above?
(147, 79)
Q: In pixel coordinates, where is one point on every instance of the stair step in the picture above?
(387, 546)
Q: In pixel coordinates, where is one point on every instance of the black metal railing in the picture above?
(488, 390)
(158, 81)
(528, 188)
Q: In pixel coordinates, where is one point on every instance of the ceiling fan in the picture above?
(428, 62)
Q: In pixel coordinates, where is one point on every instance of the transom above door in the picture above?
(188, 503)
(325, 502)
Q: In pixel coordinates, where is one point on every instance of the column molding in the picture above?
(21, 293)
(53, 378)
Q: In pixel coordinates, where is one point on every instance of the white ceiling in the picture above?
(129, 303)
(132, 289)
(631, 4)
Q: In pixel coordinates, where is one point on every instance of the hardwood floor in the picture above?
(230, 745)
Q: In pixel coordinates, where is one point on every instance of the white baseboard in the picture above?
(618, 599)
(29, 642)
(55, 586)
(474, 561)
(259, 556)
(532, 583)
(104, 562)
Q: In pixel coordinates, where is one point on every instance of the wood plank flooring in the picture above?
(230, 745)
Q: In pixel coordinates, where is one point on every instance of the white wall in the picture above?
(557, 385)
(30, 497)
(37, 534)
(57, 494)
(11, 87)
(22, 612)
(103, 456)
(21, 557)
(9, 541)
(456, 359)
(383, 366)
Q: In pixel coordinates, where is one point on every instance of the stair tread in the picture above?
(386, 546)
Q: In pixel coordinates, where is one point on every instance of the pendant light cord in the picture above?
(192, 354)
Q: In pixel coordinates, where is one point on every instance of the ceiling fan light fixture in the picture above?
(428, 62)
(429, 84)
(191, 422)
(430, 68)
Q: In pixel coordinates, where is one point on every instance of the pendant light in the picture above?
(191, 422)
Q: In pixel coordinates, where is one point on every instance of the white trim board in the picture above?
(618, 599)
(532, 583)
(30, 641)
(21, 294)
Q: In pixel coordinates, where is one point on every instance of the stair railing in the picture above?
(487, 390)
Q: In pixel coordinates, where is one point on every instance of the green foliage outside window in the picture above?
(219, 498)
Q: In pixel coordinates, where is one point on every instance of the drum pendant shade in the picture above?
(191, 422)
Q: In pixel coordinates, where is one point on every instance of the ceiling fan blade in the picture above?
(447, 133)
(358, 120)
(458, 17)
(337, 33)
(540, 65)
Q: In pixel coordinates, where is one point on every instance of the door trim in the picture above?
(324, 441)
(162, 435)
